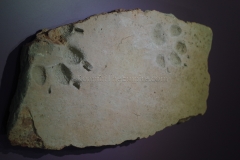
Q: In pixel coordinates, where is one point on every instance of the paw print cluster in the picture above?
(180, 48)
(61, 72)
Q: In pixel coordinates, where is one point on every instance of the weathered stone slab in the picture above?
(110, 78)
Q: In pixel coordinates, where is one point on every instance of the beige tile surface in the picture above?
(110, 78)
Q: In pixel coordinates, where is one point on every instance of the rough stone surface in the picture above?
(113, 77)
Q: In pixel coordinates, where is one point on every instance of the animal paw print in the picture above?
(179, 48)
(61, 72)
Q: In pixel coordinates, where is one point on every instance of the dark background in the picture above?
(212, 136)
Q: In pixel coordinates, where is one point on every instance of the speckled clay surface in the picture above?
(110, 78)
